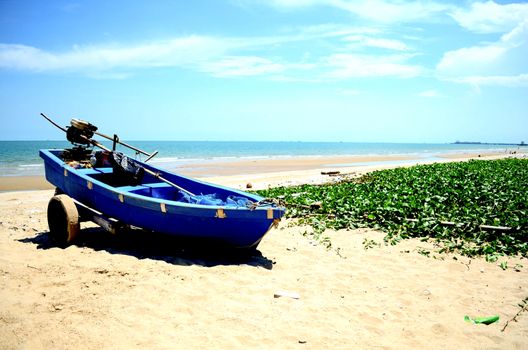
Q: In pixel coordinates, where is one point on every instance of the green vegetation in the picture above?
(448, 202)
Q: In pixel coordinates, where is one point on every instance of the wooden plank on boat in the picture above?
(220, 213)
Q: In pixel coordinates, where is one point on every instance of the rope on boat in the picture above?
(281, 203)
(265, 202)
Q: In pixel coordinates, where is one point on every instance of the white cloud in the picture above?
(345, 66)
(390, 44)
(520, 80)
(210, 53)
(221, 57)
(429, 93)
(518, 35)
(470, 60)
(333, 30)
(386, 44)
(392, 11)
(295, 3)
(499, 63)
(174, 52)
(384, 11)
(241, 66)
(295, 79)
(490, 17)
(205, 54)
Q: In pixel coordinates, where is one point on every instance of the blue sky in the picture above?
(275, 70)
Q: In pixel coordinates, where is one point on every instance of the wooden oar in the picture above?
(158, 176)
(52, 122)
(116, 140)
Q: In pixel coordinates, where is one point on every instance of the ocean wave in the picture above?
(30, 165)
(21, 157)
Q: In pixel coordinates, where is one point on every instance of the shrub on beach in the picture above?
(477, 207)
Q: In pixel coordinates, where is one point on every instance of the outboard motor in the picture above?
(80, 132)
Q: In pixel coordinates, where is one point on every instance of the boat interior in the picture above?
(148, 183)
(149, 186)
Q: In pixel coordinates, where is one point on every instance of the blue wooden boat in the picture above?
(232, 218)
(158, 201)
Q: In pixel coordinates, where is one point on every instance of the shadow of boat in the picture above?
(152, 245)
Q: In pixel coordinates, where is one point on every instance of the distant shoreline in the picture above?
(522, 144)
(282, 171)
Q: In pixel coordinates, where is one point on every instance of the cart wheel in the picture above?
(63, 219)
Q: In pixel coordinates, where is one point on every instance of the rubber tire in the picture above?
(63, 219)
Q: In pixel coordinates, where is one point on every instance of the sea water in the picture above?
(18, 158)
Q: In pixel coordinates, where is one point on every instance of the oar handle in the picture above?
(151, 156)
(52, 122)
(158, 176)
(127, 145)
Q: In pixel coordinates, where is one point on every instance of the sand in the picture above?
(23, 183)
(141, 291)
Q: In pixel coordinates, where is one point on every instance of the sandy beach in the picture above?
(141, 291)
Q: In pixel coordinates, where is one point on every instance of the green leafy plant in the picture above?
(448, 202)
(369, 243)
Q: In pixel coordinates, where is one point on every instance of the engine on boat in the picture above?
(77, 157)
(80, 132)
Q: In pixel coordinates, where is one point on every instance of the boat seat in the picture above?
(144, 186)
(157, 184)
(95, 171)
(131, 188)
(154, 190)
